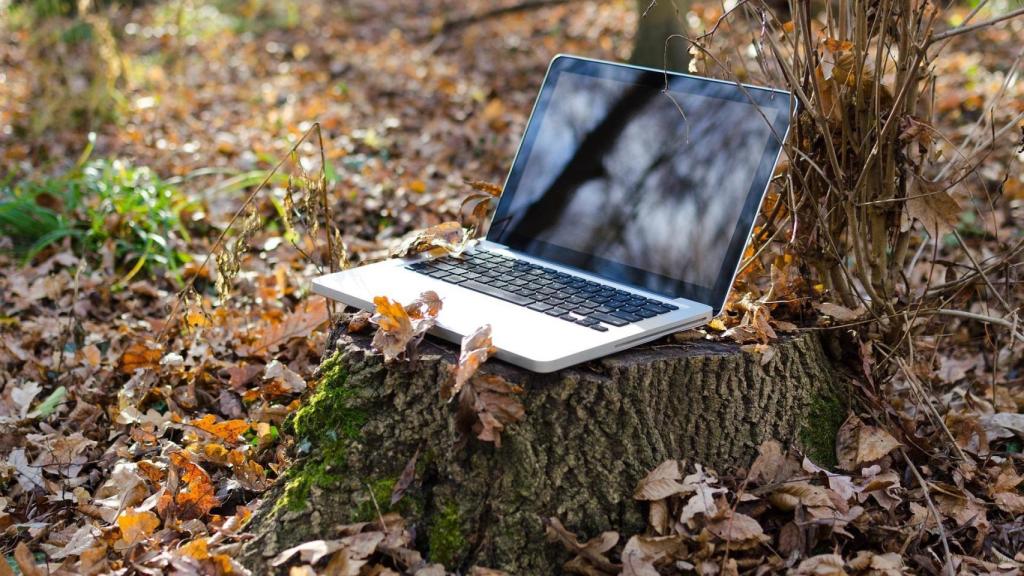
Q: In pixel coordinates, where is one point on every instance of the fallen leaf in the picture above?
(661, 482)
(858, 444)
(137, 526)
(398, 332)
(475, 350)
(311, 315)
(229, 431)
(487, 405)
(26, 562)
(737, 528)
(141, 355)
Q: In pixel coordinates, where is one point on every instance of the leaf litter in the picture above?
(124, 449)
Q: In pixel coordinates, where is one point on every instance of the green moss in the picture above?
(329, 415)
(323, 426)
(381, 490)
(825, 415)
(444, 537)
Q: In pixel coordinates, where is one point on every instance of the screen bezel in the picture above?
(678, 84)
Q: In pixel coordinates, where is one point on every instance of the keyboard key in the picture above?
(656, 309)
(609, 319)
(626, 316)
(556, 312)
(497, 293)
(645, 313)
(599, 327)
(586, 321)
(540, 307)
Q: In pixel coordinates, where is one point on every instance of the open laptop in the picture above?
(623, 218)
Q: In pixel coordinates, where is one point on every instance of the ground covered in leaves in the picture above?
(144, 386)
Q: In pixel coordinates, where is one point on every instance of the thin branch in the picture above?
(972, 27)
(935, 513)
(983, 318)
(464, 21)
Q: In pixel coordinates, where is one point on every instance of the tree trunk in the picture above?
(658, 21)
(590, 433)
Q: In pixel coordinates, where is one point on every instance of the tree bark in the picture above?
(658, 21)
(590, 434)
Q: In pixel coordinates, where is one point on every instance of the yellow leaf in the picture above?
(196, 549)
(136, 526)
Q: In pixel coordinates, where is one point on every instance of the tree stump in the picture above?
(590, 433)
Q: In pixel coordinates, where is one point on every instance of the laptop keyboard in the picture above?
(543, 289)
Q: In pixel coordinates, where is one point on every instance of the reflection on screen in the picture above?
(635, 176)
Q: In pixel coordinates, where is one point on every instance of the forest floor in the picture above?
(138, 428)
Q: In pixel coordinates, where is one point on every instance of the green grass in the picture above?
(97, 203)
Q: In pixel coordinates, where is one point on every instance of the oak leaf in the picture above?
(308, 317)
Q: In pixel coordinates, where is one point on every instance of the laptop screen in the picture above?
(650, 185)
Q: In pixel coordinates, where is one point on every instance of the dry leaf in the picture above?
(858, 444)
(141, 355)
(476, 349)
(401, 328)
(488, 404)
(310, 316)
(445, 238)
(229, 431)
(661, 482)
(737, 528)
(137, 526)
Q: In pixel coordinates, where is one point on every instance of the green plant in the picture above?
(96, 203)
(78, 68)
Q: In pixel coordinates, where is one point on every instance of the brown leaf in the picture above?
(822, 565)
(197, 498)
(591, 553)
(141, 355)
(660, 483)
(446, 238)
(488, 404)
(737, 528)
(858, 444)
(787, 496)
(476, 349)
(1011, 502)
(401, 328)
(840, 313)
(768, 464)
(931, 205)
(492, 190)
(23, 557)
(307, 318)
(405, 480)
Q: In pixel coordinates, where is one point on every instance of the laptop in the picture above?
(623, 218)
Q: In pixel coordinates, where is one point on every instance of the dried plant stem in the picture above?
(972, 27)
(190, 283)
(1012, 325)
(948, 567)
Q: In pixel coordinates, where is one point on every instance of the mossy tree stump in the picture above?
(590, 434)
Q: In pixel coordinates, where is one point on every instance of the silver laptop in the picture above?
(623, 218)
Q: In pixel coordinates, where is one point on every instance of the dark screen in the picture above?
(619, 177)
